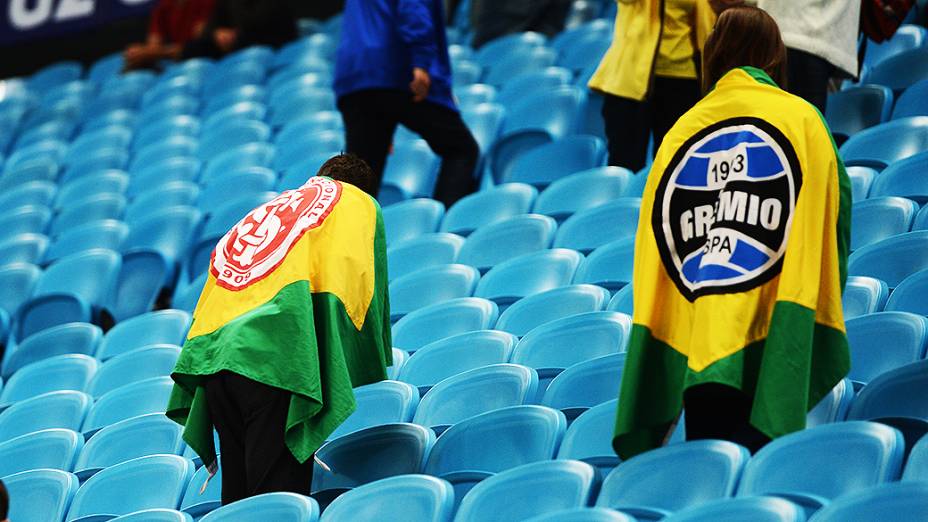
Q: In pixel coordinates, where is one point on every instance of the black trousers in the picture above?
(716, 411)
(629, 123)
(250, 418)
(807, 77)
(371, 117)
(495, 18)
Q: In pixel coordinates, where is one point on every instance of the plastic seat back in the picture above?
(581, 191)
(17, 280)
(197, 500)
(593, 514)
(484, 121)
(26, 220)
(41, 495)
(895, 394)
(438, 321)
(528, 274)
(47, 449)
(589, 437)
(424, 251)
(234, 184)
(519, 63)
(904, 502)
(912, 101)
(916, 467)
(864, 295)
(477, 391)
(518, 87)
(383, 402)
(162, 173)
(70, 338)
(623, 300)
(232, 135)
(548, 163)
(141, 279)
(880, 218)
(430, 286)
(609, 266)
(157, 481)
(909, 295)
(555, 112)
(156, 360)
(129, 439)
(110, 181)
(493, 244)
(488, 206)
(108, 234)
(26, 248)
(454, 355)
(592, 228)
(282, 507)
(168, 232)
(535, 488)
(161, 327)
(535, 310)
(857, 108)
(834, 406)
(62, 372)
(406, 497)
(131, 400)
(585, 385)
(372, 454)
(758, 509)
(104, 206)
(900, 71)
(62, 409)
(89, 275)
(886, 143)
(411, 219)
(155, 515)
(410, 173)
(38, 193)
(813, 462)
(907, 37)
(892, 259)
(902, 178)
(884, 341)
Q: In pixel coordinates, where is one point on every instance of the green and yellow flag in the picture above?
(296, 298)
(740, 261)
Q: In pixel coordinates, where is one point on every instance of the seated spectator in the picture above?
(237, 24)
(173, 24)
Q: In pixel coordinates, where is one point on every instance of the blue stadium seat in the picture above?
(63, 372)
(26, 248)
(852, 110)
(518, 63)
(902, 178)
(465, 72)
(54, 75)
(884, 341)
(527, 275)
(548, 163)
(125, 402)
(46, 449)
(371, 454)
(487, 207)
(498, 48)
(61, 409)
(464, 455)
(93, 162)
(609, 266)
(921, 220)
(72, 289)
(113, 116)
(411, 219)
(317, 122)
(476, 391)
(169, 147)
(199, 500)
(26, 220)
(161, 327)
(582, 191)
(592, 514)
(410, 172)
(834, 406)
(589, 229)
(519, 86)
(78, 191)
(909, 296)
(546, 347)
(52, 150)
(157, 481)
(80, 338)
(585, 385)
(900, 71)
(41, 169)
(296, 149)
(118, 136)
(241, 93)
(154, 132)
(494, 244)
(896, 398)
(41, 495)
(232, 135)
(916, 467)
(162, 173)
(648, 486)
(535, 488)
(904, 502)
(861, 180)
(879, 218)
(755, 509)
(169, 232)
(912, 101)
(864, 295)
(414, 498)
(907, 37)
(886, 143)
(103, 206)
(399, 361)
(470, 96)
(139, 285)
(623, 300)
(431, 285)
(17, 280)
(383, 402)
(55, 130)
(155, 515)
(892, 259)
(251, 180)
(589, 437)
(298, 103)
(429, 324)
(295, 176)
(484, 121)
(279, 507)
(108, 234)
(33, 193)
(811, 467)
(535, 310)
(141, 436)
(246, 110)
(150, 361)
(185, 297)
(456, 354)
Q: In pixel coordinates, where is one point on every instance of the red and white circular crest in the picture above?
(258, 244)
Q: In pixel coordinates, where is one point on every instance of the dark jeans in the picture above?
(495, 18)
(371, 117)
(716, 411)
(250, 418)
(630, 123)
(808, 77)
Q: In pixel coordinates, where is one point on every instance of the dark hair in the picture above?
(744, 36)
(4, 502)
(349, 168)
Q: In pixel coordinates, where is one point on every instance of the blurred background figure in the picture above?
(393, 68)
(649, 74)
(173, 24)
(4, 503)
(494, 18)
(237, 24)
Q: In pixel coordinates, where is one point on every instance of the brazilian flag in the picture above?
(296, 298)
(740, 261)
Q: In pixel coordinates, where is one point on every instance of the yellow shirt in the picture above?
(675, 54)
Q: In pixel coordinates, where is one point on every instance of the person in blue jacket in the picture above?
(393, 68)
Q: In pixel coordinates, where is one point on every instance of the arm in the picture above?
(417, 30)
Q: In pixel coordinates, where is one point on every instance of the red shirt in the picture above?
(176, 21)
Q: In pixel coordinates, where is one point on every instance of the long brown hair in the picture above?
(744, 36)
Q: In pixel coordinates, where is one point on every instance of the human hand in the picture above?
(420, 84)
(136, 55)
(225, 38)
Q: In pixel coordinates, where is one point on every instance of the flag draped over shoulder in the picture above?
(740, 261)
(296, 298)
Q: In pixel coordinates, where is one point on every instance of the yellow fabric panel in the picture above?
(323, 255)
(675, 53)
(716, 326)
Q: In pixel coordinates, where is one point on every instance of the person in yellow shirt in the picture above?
(649, 76)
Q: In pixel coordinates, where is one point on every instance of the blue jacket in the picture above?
(383, 40)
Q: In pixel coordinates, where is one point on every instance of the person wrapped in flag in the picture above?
(740, 258)
(294, 314)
